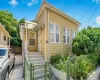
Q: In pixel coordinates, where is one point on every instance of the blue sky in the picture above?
(28, 9)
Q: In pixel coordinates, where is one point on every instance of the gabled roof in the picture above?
(4, 30)
(47, 5)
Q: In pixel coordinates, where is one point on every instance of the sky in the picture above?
(87, 12)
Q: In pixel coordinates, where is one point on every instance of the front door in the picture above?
(39, 41)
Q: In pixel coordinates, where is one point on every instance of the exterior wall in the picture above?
(61, 47)
(2, 41)
(31, 48)
(42, 21)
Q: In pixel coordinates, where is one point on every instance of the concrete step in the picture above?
(36, 59)
(34, 56)
(38, 62)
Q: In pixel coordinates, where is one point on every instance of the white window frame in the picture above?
(67, 35)
(54, 27)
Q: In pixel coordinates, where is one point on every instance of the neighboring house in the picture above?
(51, 33)
(4, 36)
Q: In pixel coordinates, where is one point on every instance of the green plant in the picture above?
(87, 41)
(84, 66)
(55, 59)
(93, 58)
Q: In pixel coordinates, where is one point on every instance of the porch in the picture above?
(33, 40)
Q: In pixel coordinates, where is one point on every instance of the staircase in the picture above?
(38, 61)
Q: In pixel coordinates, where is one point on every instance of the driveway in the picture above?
(17, 72)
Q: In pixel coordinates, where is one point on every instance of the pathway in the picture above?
(17, 72)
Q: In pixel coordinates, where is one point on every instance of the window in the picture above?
(4, 38)
(51, 33)
(32, 39)
(2, 52)
(54, 33)
(66, 36)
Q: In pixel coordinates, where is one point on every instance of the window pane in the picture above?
(64, 32)
(57, 29)
(4, 38)
(51, 28)
(67, 39)
(32, 42)
(57, 37)
(51, 37)
(64, 39)
(2, 52)
(68, 33)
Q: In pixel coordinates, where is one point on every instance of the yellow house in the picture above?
(52, 32)
(4, 36)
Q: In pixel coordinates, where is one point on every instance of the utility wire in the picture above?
(72, 4)
(86, 12)
(92, 15)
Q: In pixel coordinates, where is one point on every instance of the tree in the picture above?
(87, 41)
(11, 25)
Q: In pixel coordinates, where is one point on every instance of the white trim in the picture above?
(29, 39)
(45, 34)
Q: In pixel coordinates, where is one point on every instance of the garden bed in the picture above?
(59, 74)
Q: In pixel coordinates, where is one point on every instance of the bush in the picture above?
(84, 65)
(94, 59)
(55, 59)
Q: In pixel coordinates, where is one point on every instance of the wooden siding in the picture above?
(63, 23)
(41, 21)
(2, 34)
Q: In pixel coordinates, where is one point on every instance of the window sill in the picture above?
(55, 42)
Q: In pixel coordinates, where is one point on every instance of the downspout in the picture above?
(45, 35)
(48, 38)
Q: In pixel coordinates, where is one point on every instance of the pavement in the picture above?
(95, 74)
(17, 71)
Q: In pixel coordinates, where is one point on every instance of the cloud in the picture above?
(32, 2)
(97, 1)
(98, 19)
(13, 2)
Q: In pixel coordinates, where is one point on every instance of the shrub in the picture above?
(83, 66)
(55, 59)
(94, 59)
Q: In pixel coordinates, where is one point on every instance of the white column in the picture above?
(26, 46)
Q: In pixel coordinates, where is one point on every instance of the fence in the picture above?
(33, 72)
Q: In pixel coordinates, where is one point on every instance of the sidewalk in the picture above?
(17, 72)
(95, 75)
